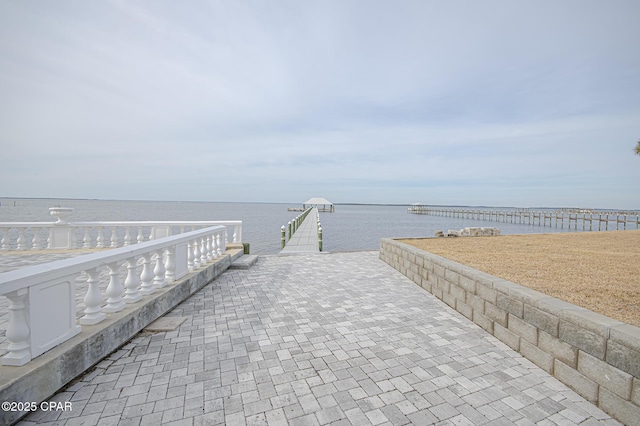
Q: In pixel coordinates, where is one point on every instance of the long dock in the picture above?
(305, 238)
(588, 221)
(339, 339)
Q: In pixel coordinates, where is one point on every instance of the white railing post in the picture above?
(35, 243)
(131, 294)
(196, 253)
(140, 237)
(221, 242)
(146, 277)
(159, 280)
(92, 313)
(86, 239)
(114, 237)
(18, 330)
(100, 238)
(211, 247)
(190, 263)
(170, 264)
(4, 243)
(114, 289)
(203, 251)
(20, 240)
(127, 236)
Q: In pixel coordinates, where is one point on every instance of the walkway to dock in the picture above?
(340, 339)
(305, 239)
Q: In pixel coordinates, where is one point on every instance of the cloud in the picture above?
(449, 102)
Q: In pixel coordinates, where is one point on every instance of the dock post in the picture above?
(320, 238)
(282, 237)
(290, 230)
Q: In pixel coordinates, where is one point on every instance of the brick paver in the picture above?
(313, 340)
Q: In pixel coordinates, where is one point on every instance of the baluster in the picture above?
(131, 294)
(4, 243)
(214, 246)
(19, 352)
(93, 300)
(146, 277)
(203, 251)
(86, 239)
(140, 237)
(36, 239)
(114, 238)
(211, 243)
(100, 238)
(159, 279)
(190, 264)
(20, 240)
(196, 254)
(170, 265)
(114, 289)
(127, 236)
(221, 242)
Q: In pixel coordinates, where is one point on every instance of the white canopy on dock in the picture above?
(327, 206)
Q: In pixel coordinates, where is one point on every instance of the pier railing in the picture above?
(89, 235)
(43, 306)
(286, 232)
(603, 221)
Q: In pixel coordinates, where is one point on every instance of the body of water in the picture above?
(351, 227)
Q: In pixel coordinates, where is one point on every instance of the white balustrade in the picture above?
(43, 297)
(88, 235)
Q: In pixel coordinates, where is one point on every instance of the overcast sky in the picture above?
(499, 103)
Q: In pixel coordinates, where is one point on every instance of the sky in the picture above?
(492, 103)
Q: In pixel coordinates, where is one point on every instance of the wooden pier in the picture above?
(304, 234)
(587, 221)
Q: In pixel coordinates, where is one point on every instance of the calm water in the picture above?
(351, 227)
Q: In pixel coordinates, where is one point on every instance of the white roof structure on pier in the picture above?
(317, 201)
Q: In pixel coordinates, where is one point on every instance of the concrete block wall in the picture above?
(594, 355)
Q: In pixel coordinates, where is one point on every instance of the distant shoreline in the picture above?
(455, 206)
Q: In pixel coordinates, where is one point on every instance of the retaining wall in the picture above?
(596, 356)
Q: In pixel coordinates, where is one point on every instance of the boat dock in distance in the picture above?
(322, 204)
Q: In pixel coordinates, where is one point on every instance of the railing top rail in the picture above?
(125, 223)
(28, 224)
(21, 278)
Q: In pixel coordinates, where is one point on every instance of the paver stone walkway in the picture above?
(339, 339)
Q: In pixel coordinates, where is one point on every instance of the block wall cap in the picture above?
(592, 321)
(527, 295)
(504, 286)
(558, 307)
(627, 335)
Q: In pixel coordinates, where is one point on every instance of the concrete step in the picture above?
(244, 262)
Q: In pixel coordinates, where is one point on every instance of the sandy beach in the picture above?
(599, 271)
